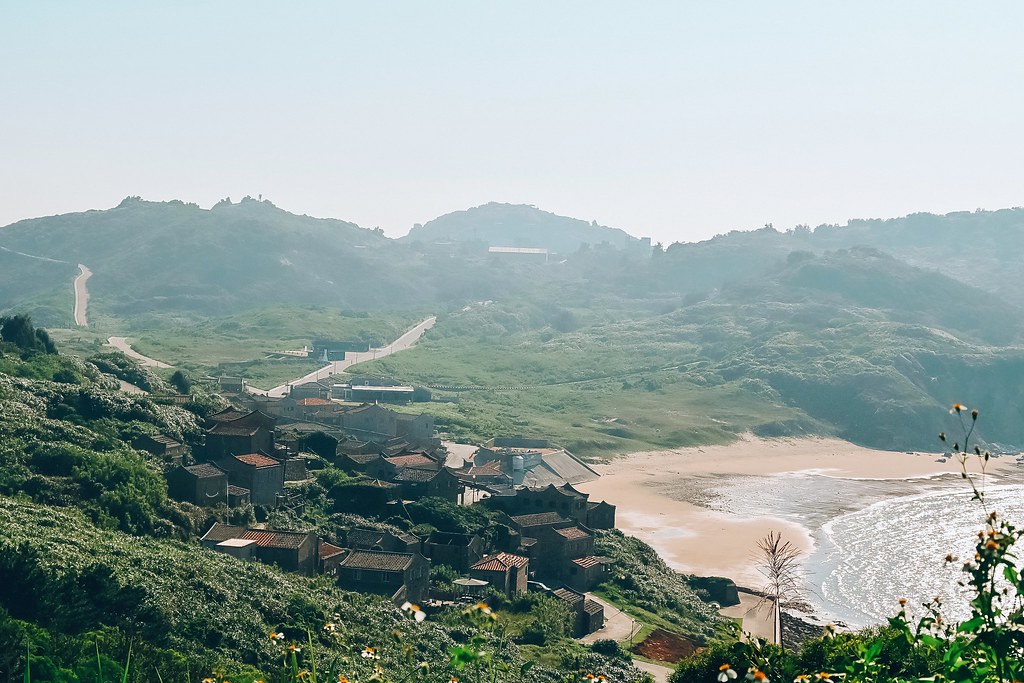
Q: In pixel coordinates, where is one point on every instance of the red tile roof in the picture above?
(328, 550)
(501, 562)
(591, 561)
(265, 538)
(257, 460)
(413, 460)
(313, 402)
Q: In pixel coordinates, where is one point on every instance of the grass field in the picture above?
(238, 344)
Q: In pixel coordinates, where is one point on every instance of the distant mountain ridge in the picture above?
(518, 225)
(828, 325)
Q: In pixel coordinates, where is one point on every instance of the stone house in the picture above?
(202, 485)
(417, 483)
(289, 550)
(162, 446)
(564, 499)
(232, 434)
(585, 573)
(377, 423)
(368, 497)
(330, 558)
(321, 389)
(504, 571)
(399, 576)
(557, 547)
(372, 539)
(261, 474)
(458, 551)
(589, 614)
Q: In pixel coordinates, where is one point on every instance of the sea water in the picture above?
(896, 548)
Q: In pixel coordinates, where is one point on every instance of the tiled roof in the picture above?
(204, 471)
(412, 474)
(591, 561)
(228, 429)
(592, 607)
(313, 402)
(572, 532)
(266, 538)
(379, 560)
(222, 532)
(328, 550)
(362, 458)
(257, 460)
(450, 538)
(227, 415)
(237, 490)
(413, 460)
(539, 519)
(165, 440)
(570, 596)
(501, 562)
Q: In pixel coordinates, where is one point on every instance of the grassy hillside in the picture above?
(608, 348)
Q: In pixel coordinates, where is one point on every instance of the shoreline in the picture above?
(701, 508)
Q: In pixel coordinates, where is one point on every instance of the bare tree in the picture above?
(779, 562)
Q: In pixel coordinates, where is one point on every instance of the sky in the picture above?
(675, 120)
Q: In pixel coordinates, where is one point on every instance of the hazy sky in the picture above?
(677, 120)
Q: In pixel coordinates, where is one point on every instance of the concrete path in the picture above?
(121, 344)
(658, 672)
(339, 366)
(618, 625)
(81, 295)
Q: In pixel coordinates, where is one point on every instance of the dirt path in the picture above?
(81, 295)
(121, 344)
(405, 341)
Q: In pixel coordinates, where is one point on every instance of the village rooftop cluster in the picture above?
(259, 452)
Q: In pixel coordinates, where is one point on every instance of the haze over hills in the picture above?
(804, 331)
(512, 225)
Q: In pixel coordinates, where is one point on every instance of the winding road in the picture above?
(405, 341)
(122, 345)
(81, 295)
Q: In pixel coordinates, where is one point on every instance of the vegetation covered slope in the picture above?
(779, 333)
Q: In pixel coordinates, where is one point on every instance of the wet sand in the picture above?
(685, 504)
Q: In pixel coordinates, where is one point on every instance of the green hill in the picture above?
(518, 225)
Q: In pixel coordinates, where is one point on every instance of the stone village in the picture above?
(256, 452)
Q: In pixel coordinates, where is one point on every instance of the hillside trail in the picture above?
(122, 345)
(82, 296)
(410, 337)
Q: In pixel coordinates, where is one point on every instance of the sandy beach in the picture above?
(701, 508)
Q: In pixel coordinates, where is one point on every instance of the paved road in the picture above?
(81, 295)
(618, 625)
(121, 344)
(400, 344)
(658, 672)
